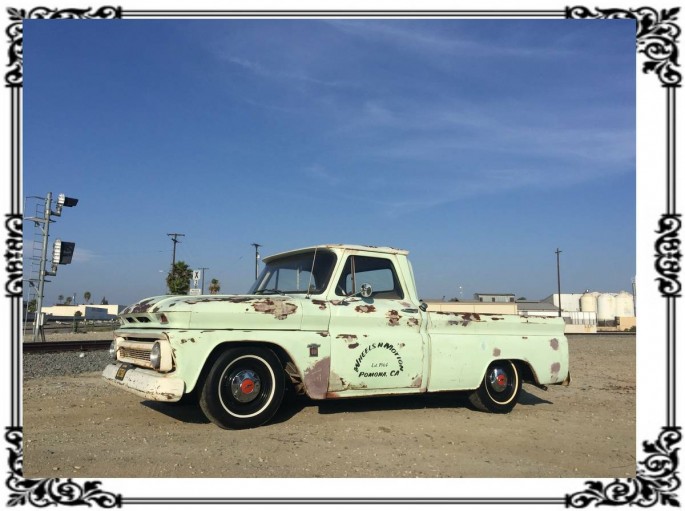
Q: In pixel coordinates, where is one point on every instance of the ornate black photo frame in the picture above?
(657, 481)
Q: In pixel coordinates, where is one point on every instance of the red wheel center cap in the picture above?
(247, 386)
(502, 380)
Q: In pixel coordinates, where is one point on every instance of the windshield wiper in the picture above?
(273, 291)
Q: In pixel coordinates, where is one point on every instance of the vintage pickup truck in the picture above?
(331, 321)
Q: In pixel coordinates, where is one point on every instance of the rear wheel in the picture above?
(243, 389)
(500, 388)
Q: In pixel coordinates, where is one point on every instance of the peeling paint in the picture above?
(393, 317)
(323, 334)
(365, 308)
(496, 352)
(554, 343)
(279, 309)
(412, 322)
(416, 382)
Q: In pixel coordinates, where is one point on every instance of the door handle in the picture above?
(411, 311)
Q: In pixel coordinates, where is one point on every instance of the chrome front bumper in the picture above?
(144, 382)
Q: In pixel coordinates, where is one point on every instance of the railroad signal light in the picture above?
(62, 252)
(64, 201)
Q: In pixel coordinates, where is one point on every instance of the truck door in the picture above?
(376, 342)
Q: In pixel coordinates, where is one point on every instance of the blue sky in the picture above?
(481, 146)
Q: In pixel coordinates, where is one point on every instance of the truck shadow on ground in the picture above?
(188, 411)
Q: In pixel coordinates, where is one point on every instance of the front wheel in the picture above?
(499, 390)
(243, 389)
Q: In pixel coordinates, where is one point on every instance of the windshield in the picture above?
(299, 273)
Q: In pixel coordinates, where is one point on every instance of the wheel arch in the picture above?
(526, 371)
(220, 348)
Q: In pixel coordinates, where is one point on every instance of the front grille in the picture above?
(135, 352)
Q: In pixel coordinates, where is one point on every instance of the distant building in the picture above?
(90, 312)
(494, 297)
(597, 309)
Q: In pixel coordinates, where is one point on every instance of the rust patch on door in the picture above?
(365, 309)
(316, 378)
(279, 309)
(554, 343)
(416, 382)
(320, 303)
(393, 317)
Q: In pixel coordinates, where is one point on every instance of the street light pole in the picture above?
(558, 280)
(256, 259)
(202, 286)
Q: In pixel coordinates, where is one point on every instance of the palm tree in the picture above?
(214, 287)
(178, 279)
(86, 296)
(60, 299)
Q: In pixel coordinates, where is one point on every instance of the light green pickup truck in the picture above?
(331, 321)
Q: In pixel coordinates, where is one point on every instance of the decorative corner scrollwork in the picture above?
(46, 492)
(15, 76)
(668, 255)
(657, 35)
(13, 256)
(654, 484)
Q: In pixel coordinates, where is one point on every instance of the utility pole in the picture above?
(256, 259)
(558, 280)
(174, 237)
(202, 286)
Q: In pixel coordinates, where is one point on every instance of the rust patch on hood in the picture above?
(413, 322)
(554, 343)
(279, 309)
(138, 307)
(365, 308)
(393, 317)
(316, 378)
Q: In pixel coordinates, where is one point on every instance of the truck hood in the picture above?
(225, 312)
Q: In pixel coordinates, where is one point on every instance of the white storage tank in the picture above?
(624, 305)
(606, 307)
(588, 302)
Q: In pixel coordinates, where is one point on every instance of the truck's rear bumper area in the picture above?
(144, 382)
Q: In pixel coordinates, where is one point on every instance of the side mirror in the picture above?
(366, 290)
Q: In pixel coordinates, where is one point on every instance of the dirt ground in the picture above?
(79, 426)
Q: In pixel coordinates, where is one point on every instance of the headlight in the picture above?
(161, 356)
(113, 350)
(156, 355)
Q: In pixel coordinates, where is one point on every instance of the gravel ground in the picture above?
(586, 430)
(37, 365)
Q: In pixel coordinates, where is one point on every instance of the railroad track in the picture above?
(59, 346)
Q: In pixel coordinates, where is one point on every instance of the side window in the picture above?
(376, 271)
